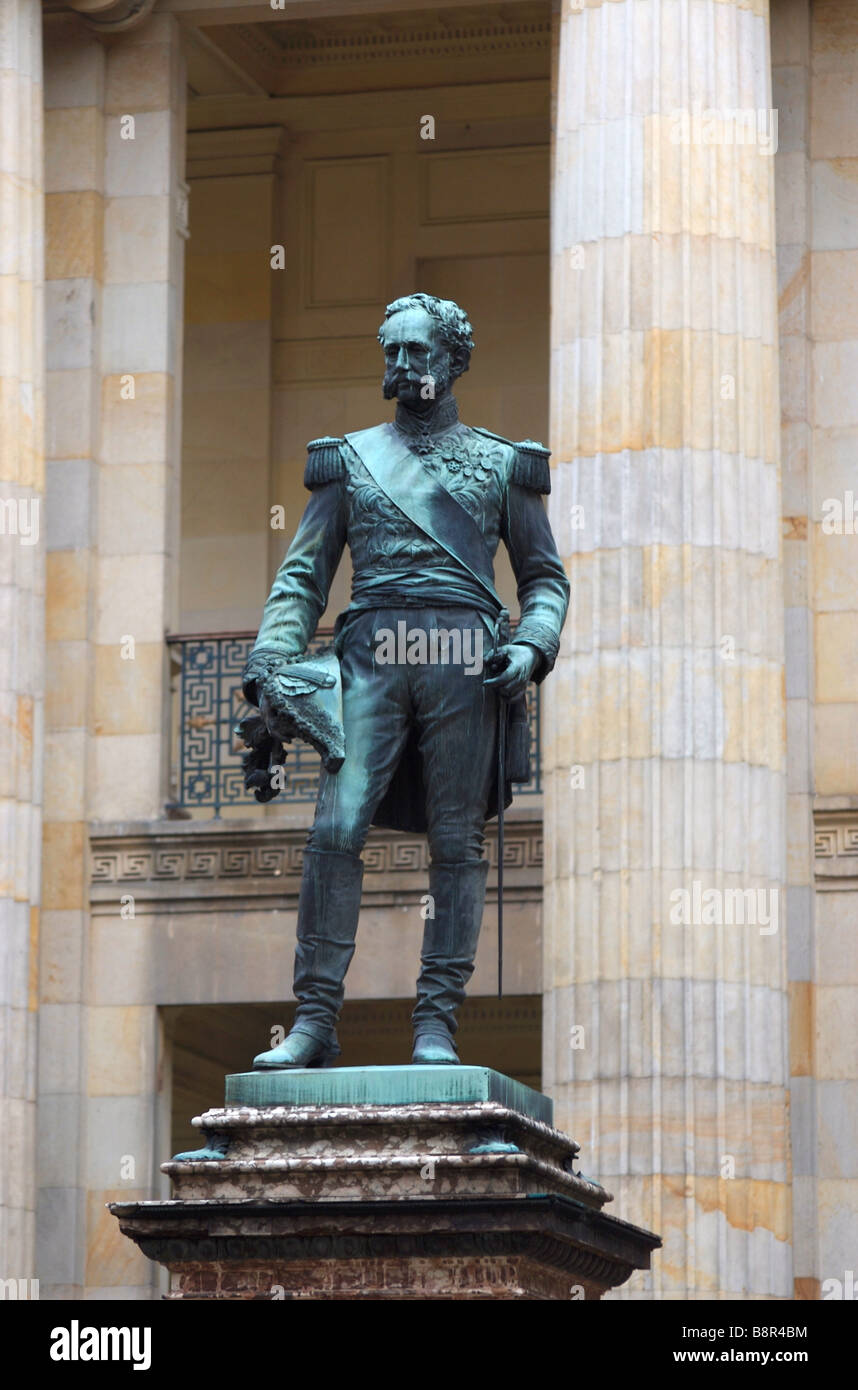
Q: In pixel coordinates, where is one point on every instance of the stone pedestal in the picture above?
(384, 1183)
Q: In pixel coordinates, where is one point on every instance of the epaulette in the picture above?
(530, 468)
(530, 462)
(324, 462)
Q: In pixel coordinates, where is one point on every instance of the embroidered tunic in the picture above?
(397, 564)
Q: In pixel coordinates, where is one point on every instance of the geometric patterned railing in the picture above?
(209, 703)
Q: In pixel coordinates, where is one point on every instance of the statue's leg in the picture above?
(375, 719)
(447, 958)
(458, 720)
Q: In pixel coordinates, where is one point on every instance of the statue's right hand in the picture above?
(269, 713)
(265, 754)
(261, 665)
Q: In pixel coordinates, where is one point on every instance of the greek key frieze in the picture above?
(825, 843)
(835, 845)
(263, 863)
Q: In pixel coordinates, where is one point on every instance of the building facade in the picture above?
(649, 209)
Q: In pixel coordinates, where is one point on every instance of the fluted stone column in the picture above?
(665, 1036)
(115, 129)
(21, 613)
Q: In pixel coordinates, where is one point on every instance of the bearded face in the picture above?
(418, 366)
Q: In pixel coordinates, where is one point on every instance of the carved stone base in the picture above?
(409, 1277)
(434, 1200)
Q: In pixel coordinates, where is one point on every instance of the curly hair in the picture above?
(455, 327)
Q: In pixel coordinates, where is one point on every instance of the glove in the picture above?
(266, 753)
(512, 667)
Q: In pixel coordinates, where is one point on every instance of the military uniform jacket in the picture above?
(396, 563)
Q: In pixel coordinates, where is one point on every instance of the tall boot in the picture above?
(447, 958)
(328, 911)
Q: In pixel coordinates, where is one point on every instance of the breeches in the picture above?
(452, 713)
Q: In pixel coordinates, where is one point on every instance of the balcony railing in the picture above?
(208, 703)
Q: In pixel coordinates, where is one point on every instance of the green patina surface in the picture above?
(387, 1086)
(408, 741)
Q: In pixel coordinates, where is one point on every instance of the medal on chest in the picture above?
(460, 459)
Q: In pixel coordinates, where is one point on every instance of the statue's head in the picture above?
(427, 345)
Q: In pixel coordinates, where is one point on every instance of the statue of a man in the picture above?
(422, 504)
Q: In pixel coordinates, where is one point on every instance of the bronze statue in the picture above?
(422, 503)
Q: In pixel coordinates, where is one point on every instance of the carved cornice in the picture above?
(189, 867)
(586, 1246)
(835, 834)
(420, 35)
(426, 46)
